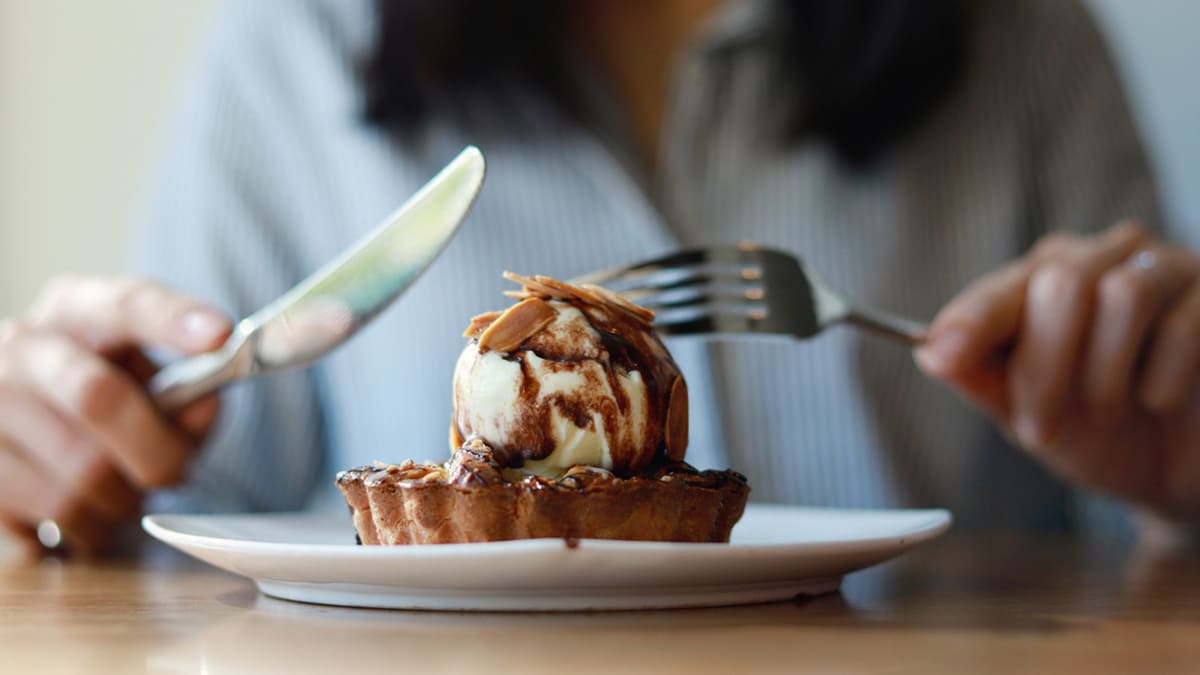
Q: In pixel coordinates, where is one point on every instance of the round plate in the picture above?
(777, 552)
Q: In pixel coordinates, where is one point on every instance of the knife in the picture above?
(333, 303)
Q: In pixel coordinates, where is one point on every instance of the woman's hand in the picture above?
(1087, 350)
(79, 439)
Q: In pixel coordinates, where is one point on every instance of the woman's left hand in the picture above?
(1087, 351)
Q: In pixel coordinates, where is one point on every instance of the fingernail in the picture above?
(1030, 432)
(203, 326)
(943, 351)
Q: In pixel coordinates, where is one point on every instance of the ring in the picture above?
(1145, 260)
(49, 535)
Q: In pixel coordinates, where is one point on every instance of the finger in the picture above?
(23, 536)
(1052, 246)
(89, 391)
(67, 456)
(966, 342)
(1058, 303)
(196, 419)
(29, 497)
(23, 498)
(107, 314)
(986, 316)
(987, 388)
(1130, 298)
(1125, 235)
(1173, 361)
(135, 362)
(84, 532)
(975, 323)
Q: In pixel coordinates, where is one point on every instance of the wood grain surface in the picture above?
(995, 605)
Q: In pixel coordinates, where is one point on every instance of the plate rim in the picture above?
(939, 521)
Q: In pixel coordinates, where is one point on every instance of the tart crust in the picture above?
(470, 500)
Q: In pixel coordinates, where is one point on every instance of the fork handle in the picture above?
(889, 326)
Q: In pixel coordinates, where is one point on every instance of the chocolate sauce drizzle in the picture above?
(626, 345)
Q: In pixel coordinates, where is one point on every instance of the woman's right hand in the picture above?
(79, 438)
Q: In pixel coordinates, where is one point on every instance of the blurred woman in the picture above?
(964, 161)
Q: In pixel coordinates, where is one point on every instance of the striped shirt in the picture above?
(271, 171)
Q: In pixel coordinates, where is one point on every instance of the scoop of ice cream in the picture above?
(569, 375)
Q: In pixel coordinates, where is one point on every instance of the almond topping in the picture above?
(533, 286)
(515, 278)
(561, 288)
(548, 287)
(618, 302)
(677, 420)
(516, 325)
(587, 296)
(480, 323)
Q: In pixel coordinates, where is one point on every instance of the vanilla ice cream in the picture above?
(569, 376)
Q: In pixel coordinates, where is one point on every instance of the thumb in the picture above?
(108, 314)
(985, 386)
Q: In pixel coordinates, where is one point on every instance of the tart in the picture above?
(569, 421)
(469, 500)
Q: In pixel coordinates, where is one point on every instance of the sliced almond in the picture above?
(677, 420)
(456, 440)
(517, 324)
(515, 278)
(646, 315)
(480, 323)
(535, 287)
(586, 295)
(624, 305)
(561, 288)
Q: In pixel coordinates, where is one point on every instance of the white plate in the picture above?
(777, 552)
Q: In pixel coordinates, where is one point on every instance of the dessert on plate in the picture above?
(570, 421)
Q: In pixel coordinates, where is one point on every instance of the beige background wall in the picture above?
(85, 89)
(86, 86)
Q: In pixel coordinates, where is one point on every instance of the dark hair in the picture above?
(870, 70)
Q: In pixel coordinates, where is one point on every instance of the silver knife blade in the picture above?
(333, 303)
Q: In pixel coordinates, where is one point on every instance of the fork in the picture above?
(743, 289)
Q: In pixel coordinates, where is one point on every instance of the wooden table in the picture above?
(1004, 605)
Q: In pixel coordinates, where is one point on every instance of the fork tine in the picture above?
(673, 260)
(741, 279)
(714, 298)
(711, 324)
(741, 254)
(703, 325)
(725, 289)
(650, 287)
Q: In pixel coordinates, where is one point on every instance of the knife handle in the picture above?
(191, 379)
